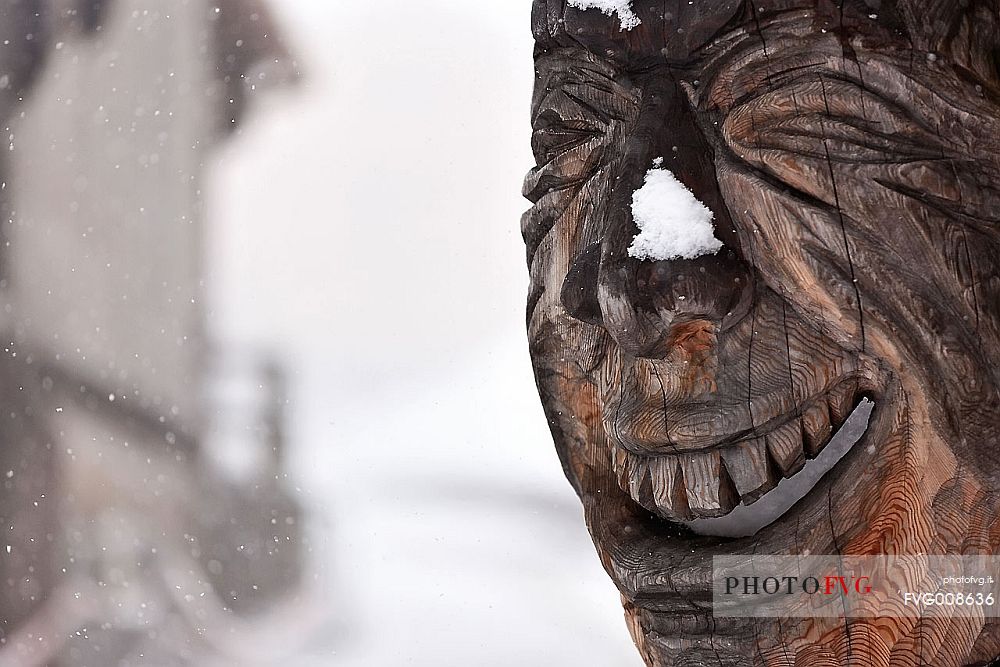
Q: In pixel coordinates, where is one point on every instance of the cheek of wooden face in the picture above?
(798, 250)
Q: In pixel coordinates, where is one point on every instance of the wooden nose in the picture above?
(708, 287)
(641, 303)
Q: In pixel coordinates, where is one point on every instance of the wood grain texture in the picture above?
(850, 152)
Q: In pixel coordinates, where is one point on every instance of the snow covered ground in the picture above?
(365, 228)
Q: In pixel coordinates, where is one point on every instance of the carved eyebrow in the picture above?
(557, 111)
(552, 139)
(574, 93)
(574, 102)
(584, 86)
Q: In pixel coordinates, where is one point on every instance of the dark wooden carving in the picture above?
(850, 151)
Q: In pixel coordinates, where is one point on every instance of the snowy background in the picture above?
(364, 227)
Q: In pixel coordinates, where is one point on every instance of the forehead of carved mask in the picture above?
(675, 30)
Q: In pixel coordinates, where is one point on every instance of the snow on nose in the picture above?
(672, 222)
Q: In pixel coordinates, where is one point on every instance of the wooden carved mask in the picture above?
(850, 154)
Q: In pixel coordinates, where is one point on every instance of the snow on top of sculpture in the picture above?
(672, 222)
(621, 7)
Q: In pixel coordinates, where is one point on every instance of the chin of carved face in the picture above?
(859, 210)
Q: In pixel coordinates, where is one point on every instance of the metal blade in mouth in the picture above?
(745, 520)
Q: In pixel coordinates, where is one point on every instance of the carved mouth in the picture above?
(697, 487)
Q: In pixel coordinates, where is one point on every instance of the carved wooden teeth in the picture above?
(750, 469)
(841, 402)
(816, 428)
(710, 491)
(622, 467)
(668, 490)
(698, 484)
(640, 485)
(711, 483)
(784, 445)
(655, 483)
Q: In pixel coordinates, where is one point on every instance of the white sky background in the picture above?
(365, 227)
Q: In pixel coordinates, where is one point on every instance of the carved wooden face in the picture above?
(852, 163)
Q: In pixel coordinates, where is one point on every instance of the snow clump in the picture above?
(621, 7)
(672, 222)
